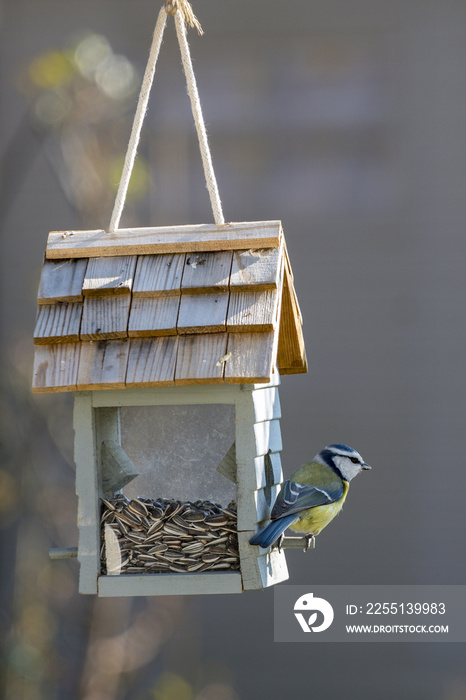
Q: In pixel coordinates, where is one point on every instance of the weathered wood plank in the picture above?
(61, 281)
(169, 584)
(102, 365)
(255, 270)
(291, 353)
(151, 317)
(266, 404)
(227, 466)
(58, 323)
(250, 357)
(117, 468)
(86, 459)
(55, 367)
(265, 499)
(268, 472)
(252, 311)
(289, 272)
(169, 396)
(260, 569)
(158, 275)
(268, 437)
(105, 318)
(199, 358)
(206, 272)
(152, 362)
(203, 313)
(109, 276)
(274, 380)
(112, 551)
(165, 239)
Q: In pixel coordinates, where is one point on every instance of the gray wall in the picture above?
(346, 120)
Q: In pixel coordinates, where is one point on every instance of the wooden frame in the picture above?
(258, 473)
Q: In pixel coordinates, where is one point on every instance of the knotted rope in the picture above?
(186, 11)
(182, 11)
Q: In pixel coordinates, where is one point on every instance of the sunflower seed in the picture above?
(158, 548)
(194, 516)
(209, 558)
(178, 569)
(138, 508)
(194, 567)
(178, 520)
(218, 540)
(167, 535)
(158, 525)
(216, 520)
(192, 547)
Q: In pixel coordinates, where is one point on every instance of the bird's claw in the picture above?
(280, 542)
(310, 542)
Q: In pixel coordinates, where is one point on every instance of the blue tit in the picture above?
(313, 495)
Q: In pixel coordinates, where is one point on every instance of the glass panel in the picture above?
(178, 515)
(177, 449)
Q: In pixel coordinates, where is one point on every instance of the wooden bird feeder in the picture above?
(172, 340)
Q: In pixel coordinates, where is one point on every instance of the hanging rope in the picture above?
(182, 11)
(211, 182)
(138, 120)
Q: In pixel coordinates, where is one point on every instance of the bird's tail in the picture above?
(271, 532)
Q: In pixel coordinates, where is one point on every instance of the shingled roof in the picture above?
(163, 306)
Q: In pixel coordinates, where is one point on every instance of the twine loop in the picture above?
(182, 13)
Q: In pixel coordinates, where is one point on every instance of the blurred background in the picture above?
(346, 120)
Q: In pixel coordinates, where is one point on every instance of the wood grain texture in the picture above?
(255, 270)
(165, 239)
(227, 466)
(61, 281)
(152, 317)
(199, 359)
(170, 584)
(105, 318)
(266, 404)
(109, 276)
(273, 568)
(270, 471)
(206, 272)
(259, 568)
(86, 457)
(55, 367)
(291, 353)
(58, 323)
(268, 437)
(158, 275)
(203, 313)
(152, 362)
(250, 357)
(102, 365)
(265, 499)
(117, 469)
(252, 311)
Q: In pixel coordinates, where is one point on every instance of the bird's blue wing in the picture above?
(294, 497)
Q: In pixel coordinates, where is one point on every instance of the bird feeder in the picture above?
(172, 340)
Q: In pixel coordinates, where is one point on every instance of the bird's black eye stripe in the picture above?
(355, 460)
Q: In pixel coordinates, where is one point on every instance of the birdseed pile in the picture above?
(164, 536)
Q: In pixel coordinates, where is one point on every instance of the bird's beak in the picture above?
(366, 466)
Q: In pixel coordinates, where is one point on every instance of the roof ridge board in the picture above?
(164, 239)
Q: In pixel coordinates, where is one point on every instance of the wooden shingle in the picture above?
(162, 306)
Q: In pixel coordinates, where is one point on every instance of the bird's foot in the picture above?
(310, 542)
(280, 542)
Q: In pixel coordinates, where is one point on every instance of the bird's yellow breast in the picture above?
(313, 520)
